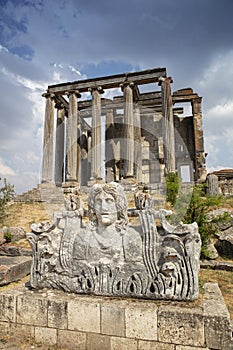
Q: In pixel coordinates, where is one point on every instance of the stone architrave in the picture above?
(96, 133)
(129, 130)
(169, 136)
(108, 256)
(47, 164)
(59, 148)
(72, 137)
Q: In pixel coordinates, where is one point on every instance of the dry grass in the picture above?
(24, 214)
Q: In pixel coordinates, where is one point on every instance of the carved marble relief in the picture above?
(110, 257)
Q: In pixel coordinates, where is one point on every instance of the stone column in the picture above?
(109, 146)
(71, 138)
(129, 130)
(59, 148)
(79, 148)
(200, 167)
(48, 147)
(138, 144)
(96, 134)
(169, 135)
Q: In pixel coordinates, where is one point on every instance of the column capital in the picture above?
(197, 100)
(96, 88)
(75, 92)
(47, 94)
(125, 84)
(165, 80)
(59, 105)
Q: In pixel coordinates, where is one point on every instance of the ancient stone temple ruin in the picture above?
(122, 126)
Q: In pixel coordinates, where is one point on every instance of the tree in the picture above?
(172, 187)
(7, 193)
(195, 207)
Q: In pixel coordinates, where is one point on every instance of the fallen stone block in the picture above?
(14, 268)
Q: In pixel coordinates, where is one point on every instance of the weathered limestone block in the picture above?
(83, 316)
(123, 344)
(148, 345)
(224, 244)
(17, 233)
(98, 342)
(113, 320)
(32, 311)
(46, 336)
(181, 326)
(135, 317)
(4, 329)
(181, 347)
(7, 308)
(71, 340)
(218, 331)
(57, 314)
(110, 257)
(21, 332)
(14, 268)
(14, 250)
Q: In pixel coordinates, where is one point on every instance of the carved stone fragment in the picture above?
(110, 257)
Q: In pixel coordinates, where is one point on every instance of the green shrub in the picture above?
(8, 236)
(172, 187)
(7, 193)
(195, 207)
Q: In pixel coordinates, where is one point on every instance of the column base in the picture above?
(94, 181)
(70, 183)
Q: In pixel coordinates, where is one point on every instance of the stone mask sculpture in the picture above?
(110, 257)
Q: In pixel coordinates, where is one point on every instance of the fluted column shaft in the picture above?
(109, 146)
(47, 164)
(200, 174)
(96, 135)
(129, 131)
(59, 149)
(169, 135)
(138, 144)
(71, 138)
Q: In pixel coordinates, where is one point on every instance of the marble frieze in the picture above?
(112, 258)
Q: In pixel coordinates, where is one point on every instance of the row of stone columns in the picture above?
(132, 151)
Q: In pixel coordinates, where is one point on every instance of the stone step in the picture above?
(42, 193)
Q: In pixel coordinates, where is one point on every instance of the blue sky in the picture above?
(44, 42)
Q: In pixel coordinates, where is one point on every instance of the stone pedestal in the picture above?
(54, 318)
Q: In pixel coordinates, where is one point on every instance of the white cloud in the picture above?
(5, 170)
